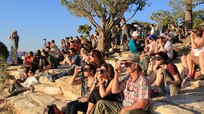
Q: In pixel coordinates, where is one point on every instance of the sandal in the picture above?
(201, 77)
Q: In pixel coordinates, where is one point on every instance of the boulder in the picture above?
(42, 99)
(50, 90)
(70, 92)
(24, 104)
(164, 108)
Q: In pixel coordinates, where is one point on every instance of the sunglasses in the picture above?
(157, 58)
(125, 64)
(91, 55)
(86, 69)
(101, 71)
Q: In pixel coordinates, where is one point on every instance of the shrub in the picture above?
(4, 75)
(3, 50)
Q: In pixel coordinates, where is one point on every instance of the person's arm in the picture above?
(105, 91)
(115, 87)
(74, 80)
(193, 44)
(200, 43)
(173, 71)
(139, 104)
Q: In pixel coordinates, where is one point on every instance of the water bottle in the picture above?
(167, 90)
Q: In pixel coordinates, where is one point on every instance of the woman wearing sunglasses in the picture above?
(96, 57)
(164, 73)
(87, 82)
(104, 75)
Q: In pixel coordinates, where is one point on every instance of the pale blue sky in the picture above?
(38, 19)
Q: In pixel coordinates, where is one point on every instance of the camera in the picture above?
(44, 39)
(122, 64)
(80, 69)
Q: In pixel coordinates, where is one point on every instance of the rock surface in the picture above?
(191, 101)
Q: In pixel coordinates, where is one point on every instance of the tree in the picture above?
(108, 12)
(162, 18)
(84, 29)
(177, 13)
(3, 51)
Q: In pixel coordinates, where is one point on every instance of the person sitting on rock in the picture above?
(136, 91)
(164, 45)
(133, 44)
(163, 72)
(83, 55)
(15, 83)
(196, 57)
(50, 60)
(95, 56)
(87, 82)
(75, 61)
(148, 52)
(104, 76)
(28, 60)
(28, 84)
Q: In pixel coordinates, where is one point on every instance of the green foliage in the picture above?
(3, 50)
(198, 18)
(4, 76)
(84, 29)
(163, 17)
(108, 12)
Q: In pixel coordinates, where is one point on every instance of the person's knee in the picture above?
(183, 58)
(201, 55)
(189, 57)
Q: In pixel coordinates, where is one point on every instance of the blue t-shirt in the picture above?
(132, 45)
(77, 60)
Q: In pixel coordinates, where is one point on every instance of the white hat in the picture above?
(163, 35)
(135, 33)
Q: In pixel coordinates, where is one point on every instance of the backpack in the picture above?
(52, 109)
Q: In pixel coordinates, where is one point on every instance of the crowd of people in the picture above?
(149, 69)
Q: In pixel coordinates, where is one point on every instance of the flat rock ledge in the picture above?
(190, 101)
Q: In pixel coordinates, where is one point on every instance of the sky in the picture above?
(38, 19)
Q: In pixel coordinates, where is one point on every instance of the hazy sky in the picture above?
(38, 19)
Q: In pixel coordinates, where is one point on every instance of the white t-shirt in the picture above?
(197, 51)
(29, 81)
(169, 49)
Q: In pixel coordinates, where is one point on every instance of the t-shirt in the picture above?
(77, 60)
(29, 81)
(169, 49)
(133, 46)
(172, 70)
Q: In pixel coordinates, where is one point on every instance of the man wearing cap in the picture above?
(14, 47)
(164, 45)
(133, 44)
(135, 88)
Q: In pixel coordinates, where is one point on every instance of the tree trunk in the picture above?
(188, 14)
(101, 42)
(104, 41)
